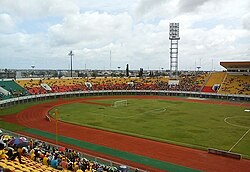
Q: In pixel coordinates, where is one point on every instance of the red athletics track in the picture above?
(34, 117)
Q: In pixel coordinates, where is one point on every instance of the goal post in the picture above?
(120, 103)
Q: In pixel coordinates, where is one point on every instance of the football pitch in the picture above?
(196, 125)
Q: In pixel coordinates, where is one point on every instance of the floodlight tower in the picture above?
(174, 37)
(71, 55)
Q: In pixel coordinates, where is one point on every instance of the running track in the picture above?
(34, 117)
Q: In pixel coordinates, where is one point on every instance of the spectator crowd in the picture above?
(47, 156)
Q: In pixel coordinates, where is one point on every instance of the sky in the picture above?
(107, 34)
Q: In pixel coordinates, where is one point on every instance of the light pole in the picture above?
(71, 59)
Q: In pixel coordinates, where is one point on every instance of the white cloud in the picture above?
(246, 21)
(135, 31)
(151, 10)
(190, 5)
(144, 6)
(91, 29)
(30, 9)
(7, 24)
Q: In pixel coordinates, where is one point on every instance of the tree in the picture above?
(121, 75)
(60, 74)
(141, 72)
(127, 71)
(94, 74)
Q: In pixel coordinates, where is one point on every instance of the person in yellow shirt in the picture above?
(19, 150)
(75, 166)
(32, 154)
(2, 154)
(89, 169)
(45, 160)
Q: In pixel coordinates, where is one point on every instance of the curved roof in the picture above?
(245, 64)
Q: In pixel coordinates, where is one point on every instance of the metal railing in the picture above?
(25, 99)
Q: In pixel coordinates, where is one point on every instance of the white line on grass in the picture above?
(235, 125)
(132, 116)
(239, 140)
(160, 110)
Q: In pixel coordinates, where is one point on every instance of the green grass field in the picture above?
(190, 124)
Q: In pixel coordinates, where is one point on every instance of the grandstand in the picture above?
(213, 82)
(101, 83)
(11, 89)
(235, 81)
(236, 84)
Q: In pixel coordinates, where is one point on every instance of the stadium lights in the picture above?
(174, 37)
(174, 31)
(71, 55)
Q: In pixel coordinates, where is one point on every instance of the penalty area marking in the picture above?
(240, 126)
(235, 125)
(239, 140)
(132, 116)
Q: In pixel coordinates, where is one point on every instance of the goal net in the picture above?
(120, 103)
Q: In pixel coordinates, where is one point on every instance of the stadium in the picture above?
(65, 107)
(145, 123)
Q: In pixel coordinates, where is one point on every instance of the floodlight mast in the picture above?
(71, 62)
(174, 37)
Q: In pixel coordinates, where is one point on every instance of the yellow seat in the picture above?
(11, 168)
(4, 165)
(23, 166)
(50, 168)
(9, 163)
(17, 167)
(43, 167)
(26, 170)
(29, 168)
(16, 163)
(3, 160)
(34, 170)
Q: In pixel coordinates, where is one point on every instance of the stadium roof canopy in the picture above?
(240, 65)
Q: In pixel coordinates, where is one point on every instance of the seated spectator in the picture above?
(31, 143)
(64, 163)
(46, 159)
(61, 159)
(54, 162)
(12, 154)
(37, 155)
(2, 151)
